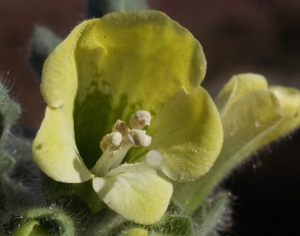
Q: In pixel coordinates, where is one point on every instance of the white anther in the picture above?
(116, 138)
(121, 126)
(112, 141)
(140, 119)
(116, 144)
(153, 158)
(137, 138)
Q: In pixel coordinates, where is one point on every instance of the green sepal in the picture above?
(61, 220)
(58, 190)
(40, 221)
(104, 223)
(173, 225)
(214, 215)
(25, 229)
(174, 222)
(86, 192)
(136, 232)
(31, 228)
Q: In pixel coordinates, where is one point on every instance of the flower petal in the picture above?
(59, 77)
(289, 100)
(141, 51)
(54, 148)
(238, 86)
(92, 71)
(136, 191)
(257, 118)
(188, 134)
(130, 61)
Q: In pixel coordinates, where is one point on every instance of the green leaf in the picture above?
(9, 112)
(125, 5)
(19, 175)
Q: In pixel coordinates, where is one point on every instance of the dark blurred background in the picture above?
(261, 36)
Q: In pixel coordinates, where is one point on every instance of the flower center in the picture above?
(116, 144)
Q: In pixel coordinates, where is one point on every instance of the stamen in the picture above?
(137, 138)
(111, 141)
(121, 126)
(116, 144)
(140, 119)
(108, 159)
(153, 158)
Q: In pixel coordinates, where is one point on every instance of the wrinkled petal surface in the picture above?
(256, 114)
(55, 151)
(249, 119)
(54, 148)
(289, 100)
(187, 132)
(136, 191)
(238, 86)
(130, 61)
(189, 135)
(110, 68)
(253, 115)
